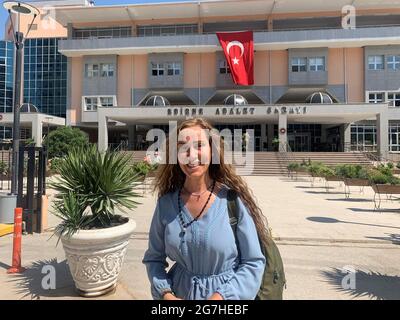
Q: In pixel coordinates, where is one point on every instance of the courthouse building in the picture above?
(321, 82)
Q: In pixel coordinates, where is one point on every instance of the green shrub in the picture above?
(351, 171)
(55, 164)
(385, 169)
(3, 168)
(61, 141)
(293, 166)
(101, 181)
(305, 163)
(377, 177)
(390, 165)
(394, 180)
(363, 173)
(327, 172)
(143, 168)
(314, 168)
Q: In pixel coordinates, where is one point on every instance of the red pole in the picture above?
(16, 258)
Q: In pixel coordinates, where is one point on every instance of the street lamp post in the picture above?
(24, 9)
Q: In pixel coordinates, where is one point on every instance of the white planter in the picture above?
(95, 257)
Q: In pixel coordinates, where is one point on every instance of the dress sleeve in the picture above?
(155, 257)
(246, 281)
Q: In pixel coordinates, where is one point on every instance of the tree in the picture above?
(59, 142)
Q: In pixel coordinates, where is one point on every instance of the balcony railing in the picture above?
(183, 43)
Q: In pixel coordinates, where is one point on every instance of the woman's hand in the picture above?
(216, 296)
(170, 296)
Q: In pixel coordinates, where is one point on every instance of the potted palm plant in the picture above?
(91, 186)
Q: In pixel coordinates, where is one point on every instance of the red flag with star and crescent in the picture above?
(239, 53)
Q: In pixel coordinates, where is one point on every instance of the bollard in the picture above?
(16, 258)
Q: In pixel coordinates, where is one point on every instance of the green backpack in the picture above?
(274, 279)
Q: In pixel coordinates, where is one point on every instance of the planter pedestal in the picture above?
(103, 292)
(95, 257)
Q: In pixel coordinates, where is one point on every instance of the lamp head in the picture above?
(21, 8)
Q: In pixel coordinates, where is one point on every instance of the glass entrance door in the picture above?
(300, 142)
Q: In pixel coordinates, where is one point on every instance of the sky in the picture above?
(4, 13)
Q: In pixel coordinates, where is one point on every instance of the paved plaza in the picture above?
(320, 234)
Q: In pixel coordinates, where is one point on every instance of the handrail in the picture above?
(377, 157)
(286, 154)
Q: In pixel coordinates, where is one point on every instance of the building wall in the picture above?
(165, 81)
(308, 77)
(45, 25)
(343, 77)
(140, 78)
(355, 74)
(76, 87)
(124, 80)
(100, 85)
(381, 79)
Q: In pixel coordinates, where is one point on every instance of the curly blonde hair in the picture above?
(169, 176)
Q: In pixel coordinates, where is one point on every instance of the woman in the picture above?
(191, 225)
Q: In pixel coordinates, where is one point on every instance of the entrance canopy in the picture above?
(297, 113)
(251, 114)
(34, 121)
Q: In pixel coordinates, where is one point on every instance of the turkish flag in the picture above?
(239, 53)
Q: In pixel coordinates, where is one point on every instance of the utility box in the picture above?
(8, 203)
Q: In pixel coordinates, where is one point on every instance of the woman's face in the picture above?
(194, 151)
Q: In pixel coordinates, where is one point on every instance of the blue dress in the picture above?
(205, 256)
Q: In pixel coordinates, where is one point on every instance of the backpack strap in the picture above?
(233, 215)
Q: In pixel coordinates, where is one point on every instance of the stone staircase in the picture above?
(274, 163)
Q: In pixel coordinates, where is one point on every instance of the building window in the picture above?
(394, 138)
(317, 64)
(174, 69)
(107, 101)
(157, 69)
(45, 76)
(102, 33)
(224, 67)
(91, 70)
(107, 70)
(375, 62)
(394, 99)
(377, 97)
(393, 62)
(166, 30)
(91, 104)
(299, 64)
(363, 138)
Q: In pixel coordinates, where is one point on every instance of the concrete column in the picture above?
(345, 137)
(70, 30)
(263, 135)
(37, 131)
(270, 24)
(382, 132)
(270, 136)
(131, 136)
(283, 139)
(323, 133)
(102, 143)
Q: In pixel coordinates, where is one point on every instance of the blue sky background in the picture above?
(4, 13)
